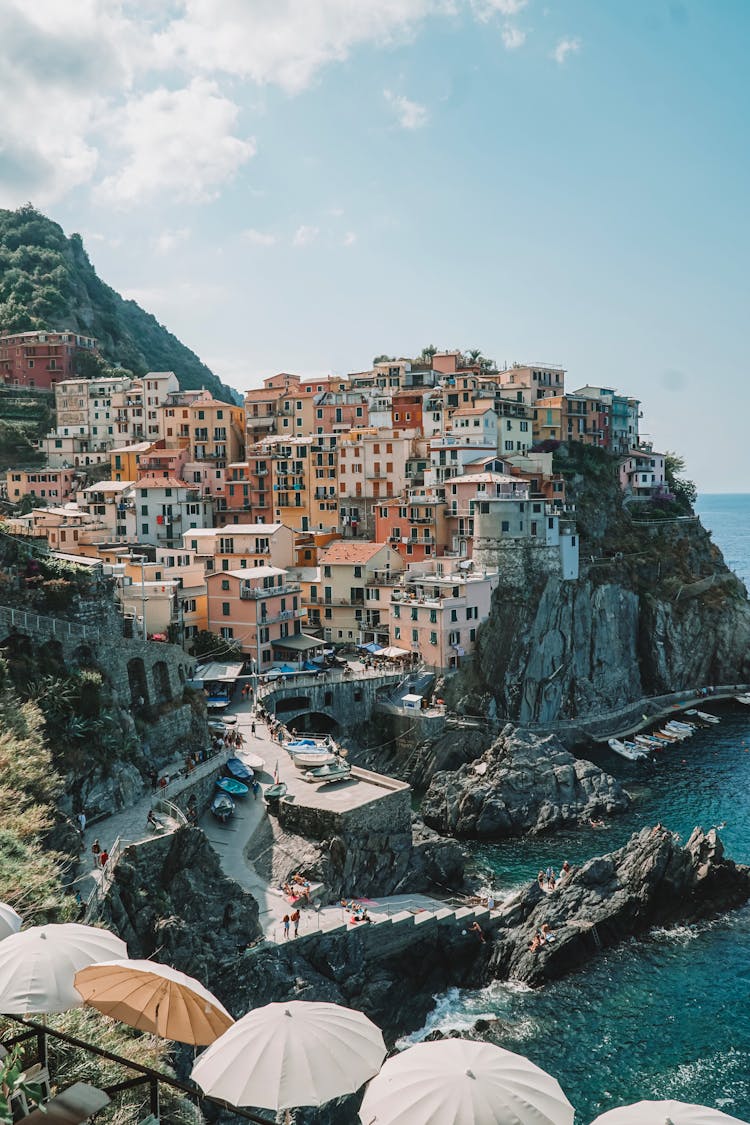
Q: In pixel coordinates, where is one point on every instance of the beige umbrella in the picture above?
(37, 966)
(461, 1082)
(665, 1113)
(292, 1054)
(10, 922)
(155, 998)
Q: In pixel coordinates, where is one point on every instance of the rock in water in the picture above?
(521, 784)
(651, 881)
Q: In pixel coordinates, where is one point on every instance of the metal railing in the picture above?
(25, 620)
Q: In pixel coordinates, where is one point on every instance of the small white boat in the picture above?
(311, 759)
(704, 716)
(743, 699)
(651, 743)
(675, 724)
(629, 750)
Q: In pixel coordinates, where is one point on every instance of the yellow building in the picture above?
(216, 432)
(124, 462)
(346, 601)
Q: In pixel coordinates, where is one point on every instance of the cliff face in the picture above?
(655, 610)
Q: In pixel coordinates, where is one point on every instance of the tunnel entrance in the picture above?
(311, 722)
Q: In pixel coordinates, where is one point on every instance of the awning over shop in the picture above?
(217, 672)
(372, 648)
(300, 642)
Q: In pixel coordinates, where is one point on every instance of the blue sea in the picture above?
(668, 1016)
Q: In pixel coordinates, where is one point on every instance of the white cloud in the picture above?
(181, 141)
(564, 48)
(409, 114)
(258, 237)
(304, 235)
(513, 37)
(166, 300)
(169, 239)
(285, 42)
(484, 10)
(349, 238)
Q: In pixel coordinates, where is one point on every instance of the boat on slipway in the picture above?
(333, 771)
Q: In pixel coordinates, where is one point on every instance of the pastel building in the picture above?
(85, 429)
(502, 526)
(165, 508)
(414, 525)
(42, 358)
(436, 613)
(371, 467)
(259, 610)
(53, 485)
(350, 595)
(642, 473)
(530, 382)
(243, 546)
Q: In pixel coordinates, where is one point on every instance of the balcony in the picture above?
(284, 615)
(252, 593)
(341, 601)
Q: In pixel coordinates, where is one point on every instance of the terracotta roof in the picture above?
(472, 409)
(349, 551)
(163, 482)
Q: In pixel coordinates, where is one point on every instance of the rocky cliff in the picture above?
(170, 896)
(651, 881)
(655, 610)
(520, 784)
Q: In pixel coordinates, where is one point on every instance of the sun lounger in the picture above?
(71, 1107)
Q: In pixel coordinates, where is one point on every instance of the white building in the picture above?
(85, 429)
(165, 508)
(501, 524)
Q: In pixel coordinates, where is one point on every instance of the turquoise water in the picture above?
(669, 1016)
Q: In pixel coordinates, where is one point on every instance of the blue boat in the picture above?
(232, 787)
(239, 771)
(222, 807)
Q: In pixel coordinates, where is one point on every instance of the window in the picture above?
(415, 614)
(227, 632)
(433, 638)
(433, 617)
(397, 611)
(225, 583)
(326, 572)
(397, 632)
(505, 525)
(358, 572)
(225, 609)
(415, 635)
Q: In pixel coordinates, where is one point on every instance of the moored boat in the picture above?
(334, 771)
(222, 807)
(704, 716)
(630, 750)
(743, 699)
(232, 787)
(275, 791)
(313, 759)
(237, 769)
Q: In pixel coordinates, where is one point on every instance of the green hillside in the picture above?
(47, 281)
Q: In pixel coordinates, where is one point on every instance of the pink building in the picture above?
(462, 492)
(53, 485)
(436, 614)
(415, 526)
(259, 610)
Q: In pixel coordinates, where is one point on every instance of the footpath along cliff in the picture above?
(655, 610)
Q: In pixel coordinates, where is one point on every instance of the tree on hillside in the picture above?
(383, 359)
(682, 489)
(428, 352)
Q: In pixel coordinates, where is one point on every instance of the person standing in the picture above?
(96, 851)
(285, 920)
(252, 728)
(295, 919)
(81, 818)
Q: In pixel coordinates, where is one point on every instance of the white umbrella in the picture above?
(460, 1082)
(393, 652)
(665, 1113)
(38, 965)
(154, 998)
(10, 922)
(291, 1054)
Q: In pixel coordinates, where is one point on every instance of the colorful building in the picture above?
(41, 358)
(259, 610)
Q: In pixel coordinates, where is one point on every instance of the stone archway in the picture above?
(161, 681)
(137, 680)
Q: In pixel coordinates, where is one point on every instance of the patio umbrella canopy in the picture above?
(10, 922)
(154, 998)
(38, 965)
(461, 1082)
(291, 1054)
(665, 1113)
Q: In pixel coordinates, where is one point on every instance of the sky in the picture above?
(300, 185)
